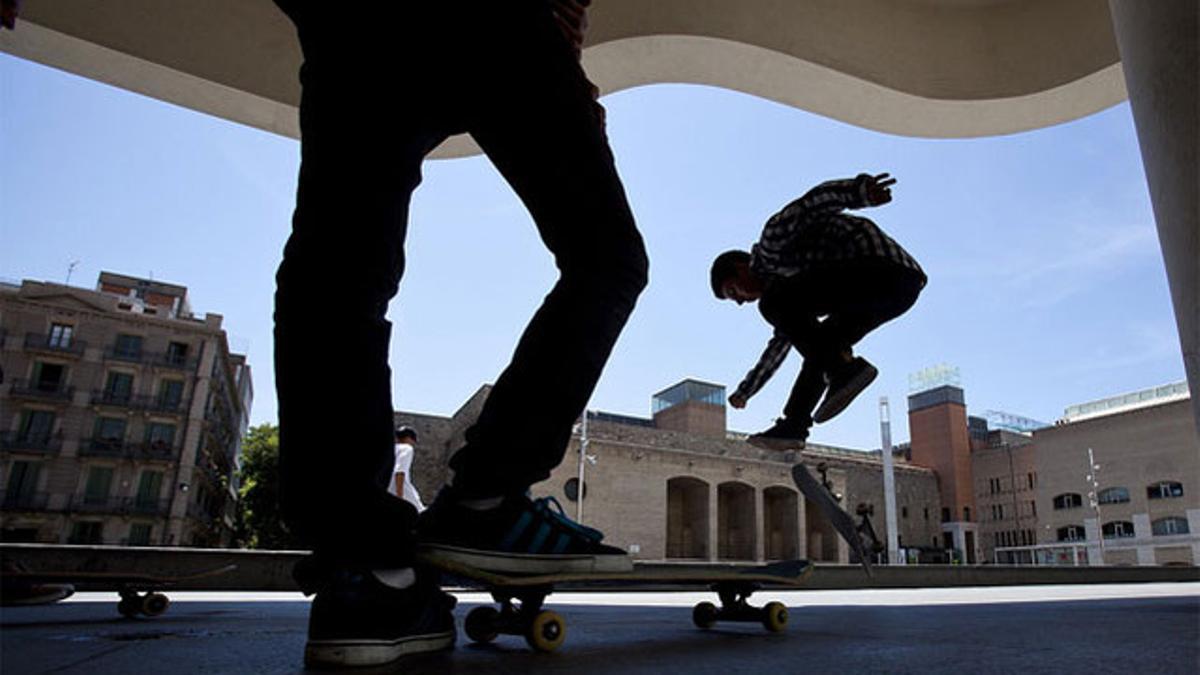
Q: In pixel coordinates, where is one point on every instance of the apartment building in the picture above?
(121, 415)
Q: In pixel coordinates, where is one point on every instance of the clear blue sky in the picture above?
(1046, 282)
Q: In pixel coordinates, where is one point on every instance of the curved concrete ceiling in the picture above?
(935, 68)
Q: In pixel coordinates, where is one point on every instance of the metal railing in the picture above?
(102, 447)
(158, 403)
(53, 391)
(122, 449)
(177, 361)
(58, 345)
(127, 355)
(122, 506)
(46, 444)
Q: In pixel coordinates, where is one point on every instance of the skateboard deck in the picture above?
(833, 512)
(521, 597)
(140, 593)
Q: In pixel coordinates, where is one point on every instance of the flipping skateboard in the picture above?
(140, 593)
(860, 537)
(520, 599)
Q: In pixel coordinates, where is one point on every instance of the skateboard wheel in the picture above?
(546, 632)
(775, 616)
(129, 607)
(153, 604)
(704, 615)
(480, 625)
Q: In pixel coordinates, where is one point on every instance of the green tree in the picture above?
(259, 521)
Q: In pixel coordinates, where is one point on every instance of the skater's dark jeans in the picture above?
(383, 84)
(854, 300)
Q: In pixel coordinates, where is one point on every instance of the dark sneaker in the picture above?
(357, 620)
(783, 435)
(844, 386)
(520, 536)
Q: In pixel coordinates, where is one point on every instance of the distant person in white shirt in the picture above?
(402, 484)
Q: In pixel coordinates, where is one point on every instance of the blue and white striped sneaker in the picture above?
(519, 536)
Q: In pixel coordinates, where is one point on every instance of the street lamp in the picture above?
(1093, 478)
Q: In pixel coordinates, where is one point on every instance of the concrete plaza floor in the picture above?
(1066, 629)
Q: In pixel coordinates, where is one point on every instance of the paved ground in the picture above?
(1096, 629)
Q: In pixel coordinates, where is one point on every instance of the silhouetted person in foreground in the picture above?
(383, 84)
(824, 279)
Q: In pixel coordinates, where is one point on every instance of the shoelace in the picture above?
(557, 515)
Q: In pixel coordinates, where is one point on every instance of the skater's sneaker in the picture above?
(516, 535)
(845, 385)
(783, 435)
(358, 619)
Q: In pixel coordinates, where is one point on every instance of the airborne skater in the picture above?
(824, 279)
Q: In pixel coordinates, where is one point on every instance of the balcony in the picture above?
(156, 404)
(42, 444)
(94, 504)
(103, 447)
(56, 345)
(42, 390)
(127, 355)
(176, 361)
(23, 501)
(154, 451)
(121, 506)
(116, 448)
(118, 399)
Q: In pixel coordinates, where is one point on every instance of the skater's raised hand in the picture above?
(878, 189)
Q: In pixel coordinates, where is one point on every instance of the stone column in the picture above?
(1161, 61)
(760, 535)
(714, 541)
(1143, 535)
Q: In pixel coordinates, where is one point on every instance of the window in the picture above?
(139, 534)
(999, 512)
(36, 426)
(177, 353)
(99, 484)
(128, 346)
(170, 394)
(1032, 480)
(22, 482)
(1069, 500)
(149, 487)
(109, 432)
(903, 511)
(1118, 529)
(926, 513)
(1168, 526)
(159, 435)
(945, 515)
(119, 387)
(87, 532)
(1033, 508)
(966, 514)
(60, 336)
(1165, 490)
(48, 376)
(1114, 495)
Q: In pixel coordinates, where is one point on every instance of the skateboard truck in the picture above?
(543, 630)
(735, 606)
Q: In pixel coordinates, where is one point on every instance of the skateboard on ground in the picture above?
(521, 598)
(861, 537)
(140, 593)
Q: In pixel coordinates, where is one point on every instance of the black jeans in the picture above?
(383, 84)
(855, 299)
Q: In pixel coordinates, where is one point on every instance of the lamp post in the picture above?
(1093, 479)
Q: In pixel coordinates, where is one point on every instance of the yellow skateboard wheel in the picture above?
(546, 632)
(775, 616)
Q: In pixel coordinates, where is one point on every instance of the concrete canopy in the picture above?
(936, 68)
